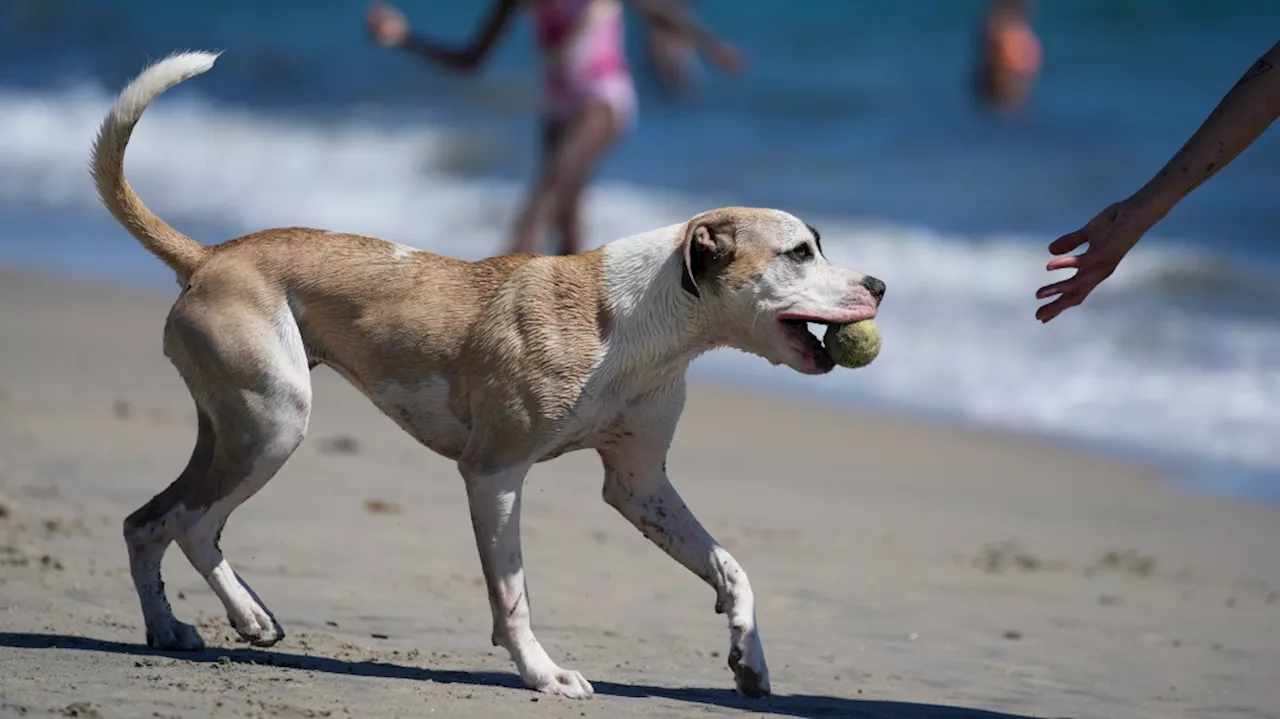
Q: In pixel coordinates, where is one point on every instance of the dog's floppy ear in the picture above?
(708, 247)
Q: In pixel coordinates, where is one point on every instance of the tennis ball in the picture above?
(853, 345)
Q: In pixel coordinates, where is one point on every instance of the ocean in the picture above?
(857, 116)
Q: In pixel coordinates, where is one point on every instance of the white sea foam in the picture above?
(959, 334)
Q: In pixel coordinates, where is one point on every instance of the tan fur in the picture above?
(181, 253)
(730, 239)
(375, 317)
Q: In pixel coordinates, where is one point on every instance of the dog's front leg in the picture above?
(636, 485)
(495, 515)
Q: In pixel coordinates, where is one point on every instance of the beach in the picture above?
(902, 568)
(995, 520)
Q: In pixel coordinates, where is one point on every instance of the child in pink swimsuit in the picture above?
(588, 100)
(585, 59)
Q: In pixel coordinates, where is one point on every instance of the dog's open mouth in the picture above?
(807, 344)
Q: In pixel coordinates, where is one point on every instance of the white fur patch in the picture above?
(399, 251)
(249, 618)
(422, 410)
(294, 374)
(642, 281)
(156, 79)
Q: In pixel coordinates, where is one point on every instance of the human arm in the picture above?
(389, 28)
(673, 17)
(1243, 114)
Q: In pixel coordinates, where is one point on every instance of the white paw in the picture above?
(562, 682)
(174, 636)
(746, 659)
(257, 627)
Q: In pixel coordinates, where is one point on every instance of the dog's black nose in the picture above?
(875, 287)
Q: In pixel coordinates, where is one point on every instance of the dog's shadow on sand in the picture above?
(794, 705)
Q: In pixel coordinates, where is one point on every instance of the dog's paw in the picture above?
(175, 636)
(562, 682)
(746, 659)
(259, 628)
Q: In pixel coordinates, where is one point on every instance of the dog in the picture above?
(496, 364)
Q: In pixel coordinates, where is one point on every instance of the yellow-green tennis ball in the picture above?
(853, 345)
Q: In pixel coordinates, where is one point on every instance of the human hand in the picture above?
(387, 25)
(727, 58)
(1110, 236)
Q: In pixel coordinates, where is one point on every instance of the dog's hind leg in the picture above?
(148, 532)
(250, 378)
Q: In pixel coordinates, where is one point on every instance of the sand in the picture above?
(945, 572)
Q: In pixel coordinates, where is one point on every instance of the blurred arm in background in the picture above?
(390, 29)
(675, 18)
(1242, 115)
(672, 56)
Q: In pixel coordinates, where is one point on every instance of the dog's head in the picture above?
(762, 278)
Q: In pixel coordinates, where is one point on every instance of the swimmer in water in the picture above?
(588, 100)
(1009, 57)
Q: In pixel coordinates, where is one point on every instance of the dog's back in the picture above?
(373, 310)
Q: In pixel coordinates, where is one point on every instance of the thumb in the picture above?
(1069, 242)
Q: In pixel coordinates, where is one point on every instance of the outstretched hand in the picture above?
(727, 58)
(387, 25)
(1110, 236)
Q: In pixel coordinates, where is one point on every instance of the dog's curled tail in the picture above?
(181, 253)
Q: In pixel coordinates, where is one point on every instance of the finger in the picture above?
(1055, 308)
(1070, 261)
(1068, 242)
(1058, 288)
(1072, 297)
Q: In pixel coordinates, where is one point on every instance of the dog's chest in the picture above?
(610, 419)
(593, 426)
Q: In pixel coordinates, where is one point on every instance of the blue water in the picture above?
(856, 115)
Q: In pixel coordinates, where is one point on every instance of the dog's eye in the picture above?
(801, 253)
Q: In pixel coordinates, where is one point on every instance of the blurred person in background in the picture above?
(1008, 55)
(1243, 114)
(588, 99)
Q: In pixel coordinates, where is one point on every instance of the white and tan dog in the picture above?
(496, 364)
